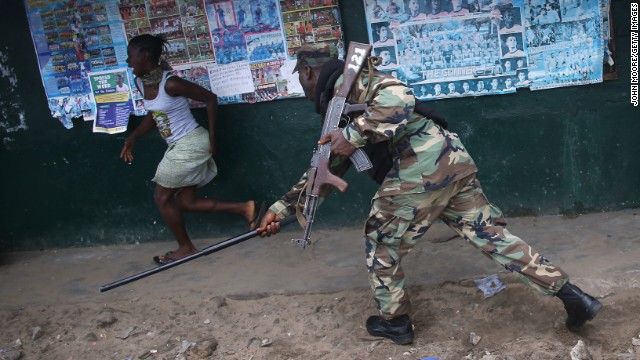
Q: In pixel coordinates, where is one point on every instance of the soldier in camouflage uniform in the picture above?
(432, 176)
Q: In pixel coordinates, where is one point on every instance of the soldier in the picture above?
(430, 175)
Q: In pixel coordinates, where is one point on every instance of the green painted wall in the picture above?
(561, 151)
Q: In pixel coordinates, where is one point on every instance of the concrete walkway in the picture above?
(600, 252)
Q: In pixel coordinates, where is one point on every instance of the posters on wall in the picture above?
(232, 78)
(565, 42)
(235, 41)
(65, 108)
(197, 73)
(455, 48)
(114, 100)
(136, 96)
(243, 49)
(181, 22)
(71, 39)
(446, 49)
(254, 44)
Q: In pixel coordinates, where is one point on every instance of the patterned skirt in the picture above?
(187, 162)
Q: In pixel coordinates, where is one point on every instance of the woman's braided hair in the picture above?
(151, 44)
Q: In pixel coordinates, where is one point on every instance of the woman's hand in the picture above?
(125, 153)
(144, 127)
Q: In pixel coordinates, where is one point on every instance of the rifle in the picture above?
(319, 173)
(206, 251)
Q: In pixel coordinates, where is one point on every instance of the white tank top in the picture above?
(171, 113)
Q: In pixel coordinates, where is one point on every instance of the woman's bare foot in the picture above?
(172, 256)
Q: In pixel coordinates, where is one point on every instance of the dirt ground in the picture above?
(266, 299)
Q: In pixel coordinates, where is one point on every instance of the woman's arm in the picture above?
(176, 86)
(144, 127)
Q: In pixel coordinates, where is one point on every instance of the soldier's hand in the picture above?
(339, 145)
(269, 224)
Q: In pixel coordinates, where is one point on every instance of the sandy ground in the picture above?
(267, 299)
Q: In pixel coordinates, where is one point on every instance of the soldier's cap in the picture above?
(315, 54)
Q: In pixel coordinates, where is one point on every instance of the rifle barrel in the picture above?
(206, 251)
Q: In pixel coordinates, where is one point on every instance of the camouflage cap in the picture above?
(315, 54)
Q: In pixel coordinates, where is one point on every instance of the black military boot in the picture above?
(398, 329)
(580, 307)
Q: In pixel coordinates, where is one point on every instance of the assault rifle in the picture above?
(319, 173)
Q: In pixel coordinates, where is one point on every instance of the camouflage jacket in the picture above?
(425, 156)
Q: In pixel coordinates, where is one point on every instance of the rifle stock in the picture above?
(206, 251)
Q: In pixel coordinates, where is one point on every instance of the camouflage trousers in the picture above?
(396, 223)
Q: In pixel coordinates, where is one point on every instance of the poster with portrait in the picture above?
(454, 48)
(449, 48)
(112, 90)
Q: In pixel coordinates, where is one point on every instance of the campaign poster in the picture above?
(112, 92)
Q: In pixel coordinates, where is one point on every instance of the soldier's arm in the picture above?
(388, 111)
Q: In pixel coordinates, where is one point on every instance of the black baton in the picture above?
(206, 251)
